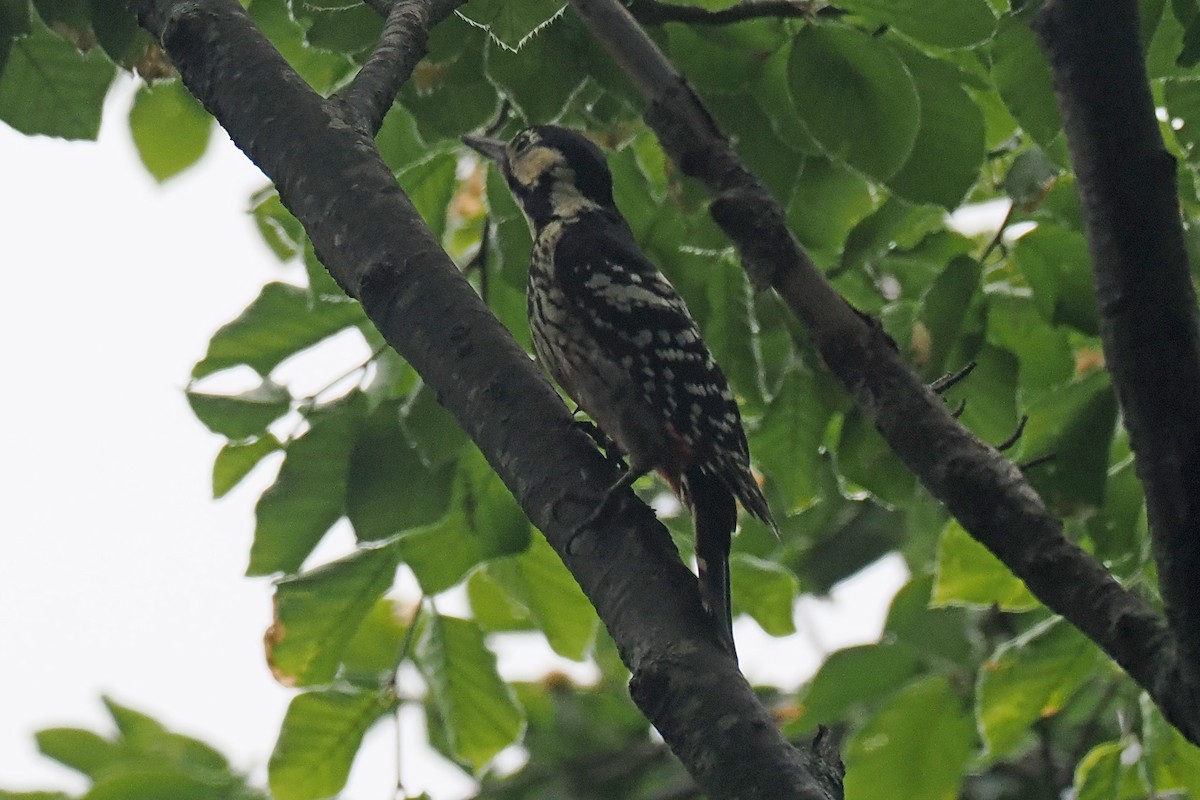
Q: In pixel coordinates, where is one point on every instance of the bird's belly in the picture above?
(599, 385)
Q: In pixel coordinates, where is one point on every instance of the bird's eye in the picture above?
(522, 142)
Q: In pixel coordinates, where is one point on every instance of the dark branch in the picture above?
(370, 237)
(652, 12)
(1016, 434)
(986, 492)
(401, 45)
(1148, 317)
(943, 384)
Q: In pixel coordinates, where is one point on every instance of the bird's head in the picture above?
(553, 172)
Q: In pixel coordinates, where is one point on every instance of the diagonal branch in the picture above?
(401, 45)
(985, 492)
(368, 234)
(1147, 305)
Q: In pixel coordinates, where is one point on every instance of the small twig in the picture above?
(950, 378)
(1035, 462)
(653, 12)
(478, 261)
(502, 115)
(405, 646)
(998, 239)
(959, 409)
(1011, 440)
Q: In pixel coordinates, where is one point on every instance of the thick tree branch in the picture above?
(367, 233)
(984, 491)
(1148, 318)
(401, 45)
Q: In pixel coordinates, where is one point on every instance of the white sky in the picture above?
(118, 572)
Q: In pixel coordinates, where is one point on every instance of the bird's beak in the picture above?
(494, 149)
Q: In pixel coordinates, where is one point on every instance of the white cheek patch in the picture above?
(533, 164)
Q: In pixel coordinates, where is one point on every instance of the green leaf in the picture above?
(867, 460)
(724, 58)
(1045, 357)
(944, 23)
(787, 441)
(318, 611)
(1056, 263)
(856, 98)
(892, 224)
(81, 750)
(512, 24)
(944, 308)
(235, 461)
(916, 747)
(118, 33)
(431, 429)
(935, 633)
(320, 69)
(1022, 76)
(1174, 762)
(484, 522)
(1076, 423)
(282, 232)
(950, 145)
(430, 184)
(855, 676)
(1030, 176)
(154, 783)
(170, 128)
(969, 575)
(1104, 774)
(1030, 678)
(828, 201)
(539, 581)
(6, 795)
(369, 658)
(241, 416)
(389, 489)
(310, 493)
(449, 93)
(539, 93)
(280, 322)
(321, 734)
(49, 87)
(492, 606)
(991, 396)
(337, 25)
(475, 704)
(764, 590)
(1183, 103)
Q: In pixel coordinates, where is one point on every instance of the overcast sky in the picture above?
(118, 572)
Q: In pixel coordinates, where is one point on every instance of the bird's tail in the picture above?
(714, 513)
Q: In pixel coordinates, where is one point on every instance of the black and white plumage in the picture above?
(616, 336)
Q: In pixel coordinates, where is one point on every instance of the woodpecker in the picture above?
(615, 335)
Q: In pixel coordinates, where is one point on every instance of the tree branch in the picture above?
(401, 45)
(365, 230)
(1148, 320)
(985, 492)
